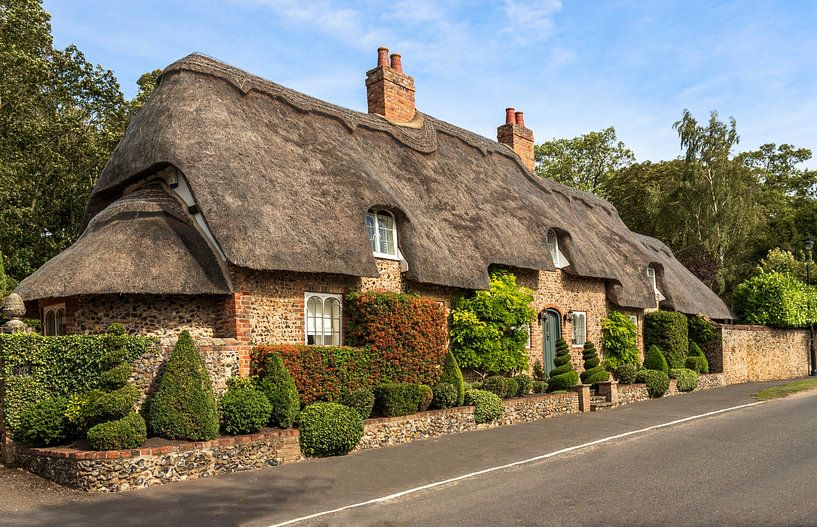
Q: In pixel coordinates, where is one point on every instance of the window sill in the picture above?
(386, 257)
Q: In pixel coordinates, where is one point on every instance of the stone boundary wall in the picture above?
(760, 353)
(632, 393)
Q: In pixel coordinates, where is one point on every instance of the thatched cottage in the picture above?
(238, 208)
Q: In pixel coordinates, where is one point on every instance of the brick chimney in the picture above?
(389, 91)
(514, 134)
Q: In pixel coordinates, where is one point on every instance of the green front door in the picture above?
(552, 332)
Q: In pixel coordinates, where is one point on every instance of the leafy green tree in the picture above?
(147, 84)
(780, 261)
(585, 162)
(619, 340)
(488, 328)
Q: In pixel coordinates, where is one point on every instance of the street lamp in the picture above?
(809, 243)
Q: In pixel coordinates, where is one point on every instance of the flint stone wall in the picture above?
(759, 353)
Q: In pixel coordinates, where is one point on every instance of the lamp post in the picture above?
(813, 356)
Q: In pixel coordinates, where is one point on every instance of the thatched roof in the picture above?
(284, 182)
(141, 243)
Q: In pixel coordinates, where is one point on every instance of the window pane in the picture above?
(332, 306)
(60, 322)
(50, 324)
(385, 225)
(371, 228)
(553, 246)
(314, 318)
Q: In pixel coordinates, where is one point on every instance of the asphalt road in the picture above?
(749, 466)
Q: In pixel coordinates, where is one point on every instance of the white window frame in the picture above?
(323, 298)
(375, 243)
(559, 259)
(55, 309)
(576, 315)
(653, 278)
(527, 329)
(634, 319)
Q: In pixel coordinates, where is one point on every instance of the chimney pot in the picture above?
(520, 119)
(396, 63)
(509, 116)
(383, 57)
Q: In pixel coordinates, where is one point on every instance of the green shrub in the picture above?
(539, 386)
(593, 372)
(498, 385)
(487, 405)
(700, 330)
(360, 400)
(563, 376)
(20, 393)
(466, 386)
(117, 376)
(44, 423)
(78, 410)
(453, 376)
(626, 373)
(619, 340)
(426, 396)
(487, 327)
(696, 360)
(277, 384)
(539, 373)
(114, 358)
(244, 410)
(330, 429)
(111, 406)
(184, 406)
(687, 380)
(657, 382)
(511, 388)
(525, 382)
(123, 434)
(775, 299)
(476, 385)
(668, 331)
(445, 395)
(398, 398)
(655, 360)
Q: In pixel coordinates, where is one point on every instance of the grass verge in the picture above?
(784, 390)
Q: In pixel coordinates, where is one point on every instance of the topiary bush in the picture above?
(525, 382)
(511, 388)
(496, 384)
(563, 376)
(686, 379)
(396, 399)
(244, 410)
(78, 411)
(626, 373)
(696, 360)
(43, 423)
(117, 376)
(539, 386)
(593, 372)
(111, 406)
(329, 429)
(539, 373)
(619, 340)
(445, 395)
(657, 382)
(426, 396)
(184, 406)
(360, 400)
(487, 405)
(668, 331)
(122, 434)
(453, 376)
(277, 384)
(655, 360)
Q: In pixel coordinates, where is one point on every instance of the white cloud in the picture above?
(531, 20)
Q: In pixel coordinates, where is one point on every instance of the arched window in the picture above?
(323, 318)
(50, 323)
(559, 260)
(382, 230)
(54, 321)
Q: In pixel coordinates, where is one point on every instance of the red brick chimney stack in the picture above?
(514, 134)
(389, 91)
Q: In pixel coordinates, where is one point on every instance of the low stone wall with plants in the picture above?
(760, 353)
(633, 393)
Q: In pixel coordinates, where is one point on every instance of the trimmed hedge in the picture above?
(122, 434)
(487, 405)
(525, 383)
(329, 429)
(655, 360)
(111, 406)
(360, 400)
(657, 382)
(563, 376)
(626, 373)
(275, 381)
(44, 423)
(668, 331)
(686, 379)
(244, 410)
(396, 399)
(445, 395)
(184, 406)
(696, 360)
(453, 376)
(503, 387)
(593, 372)
(35, 367)
(775, 299)
(426, 396)
(406, 335)
(539, 386)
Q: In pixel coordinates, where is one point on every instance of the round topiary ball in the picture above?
(330, 429)
(244, 410)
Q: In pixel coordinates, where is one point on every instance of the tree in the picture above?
(147, 84)
(585, 162)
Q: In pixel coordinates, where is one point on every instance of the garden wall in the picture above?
(760, 353)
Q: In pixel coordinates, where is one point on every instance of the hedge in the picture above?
(43, 423)
(775, 299)
(686, 379)
(657, 382)
(445, 395)
(329, 429)
(360, 400)
(668, 330)
(244, 410)
(525, 383)
(487, 405)
(655, 360)
(626, 373)
(396, 399)
(123, 434)
(619, 340)
(35, 367)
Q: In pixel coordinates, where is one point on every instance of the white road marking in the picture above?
(509, 465)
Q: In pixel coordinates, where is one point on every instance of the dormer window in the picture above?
(559, 260)
(651, 276)
(382, 231)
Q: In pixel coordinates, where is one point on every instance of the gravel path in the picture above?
(21, 492)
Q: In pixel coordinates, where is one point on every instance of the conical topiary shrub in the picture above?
(593, 372)
(696, 360)
(453, 375)
(655, 360)
(563, 376)
(184, 406)
(277, 384)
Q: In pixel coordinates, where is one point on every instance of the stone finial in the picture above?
(13, 309)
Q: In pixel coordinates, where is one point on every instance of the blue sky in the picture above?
(571, 66)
